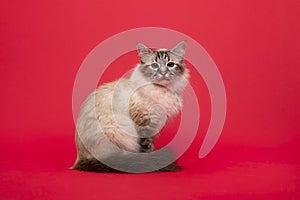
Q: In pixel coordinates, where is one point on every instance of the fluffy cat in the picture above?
(118, 122)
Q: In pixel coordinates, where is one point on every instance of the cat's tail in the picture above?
(160, 161)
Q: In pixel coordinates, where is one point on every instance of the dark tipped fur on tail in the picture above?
(92, 165)
(133, 164)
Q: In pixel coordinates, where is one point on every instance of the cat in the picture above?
(119, 121)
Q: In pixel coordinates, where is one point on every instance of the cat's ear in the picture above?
(143, 50)
(179, 49)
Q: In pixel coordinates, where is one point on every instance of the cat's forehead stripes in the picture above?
(162, 55)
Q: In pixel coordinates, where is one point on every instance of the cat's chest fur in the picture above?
(151, 106)
(155, 97)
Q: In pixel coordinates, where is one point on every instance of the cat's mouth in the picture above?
(164, 77)
(162, 80)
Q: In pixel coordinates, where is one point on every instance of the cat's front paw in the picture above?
(146, 144)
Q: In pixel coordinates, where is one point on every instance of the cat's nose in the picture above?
(163, 70)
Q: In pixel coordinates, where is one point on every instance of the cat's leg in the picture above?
(145, 139)
(146, 144)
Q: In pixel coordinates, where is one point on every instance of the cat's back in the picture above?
(111, 97)
(114, 91)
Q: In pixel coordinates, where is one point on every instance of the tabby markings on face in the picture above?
(162, 65)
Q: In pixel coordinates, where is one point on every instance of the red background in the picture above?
(255, 44)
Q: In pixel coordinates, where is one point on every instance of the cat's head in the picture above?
(162, 66)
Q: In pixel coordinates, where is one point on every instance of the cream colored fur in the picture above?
(117, 114)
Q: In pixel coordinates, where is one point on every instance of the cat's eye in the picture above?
(170, 64)
(155, 65)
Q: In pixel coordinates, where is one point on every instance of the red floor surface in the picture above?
(255, 45)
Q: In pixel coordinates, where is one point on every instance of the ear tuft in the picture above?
(179, 49)
(143, 50)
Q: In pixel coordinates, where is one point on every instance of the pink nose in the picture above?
(163, 70)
